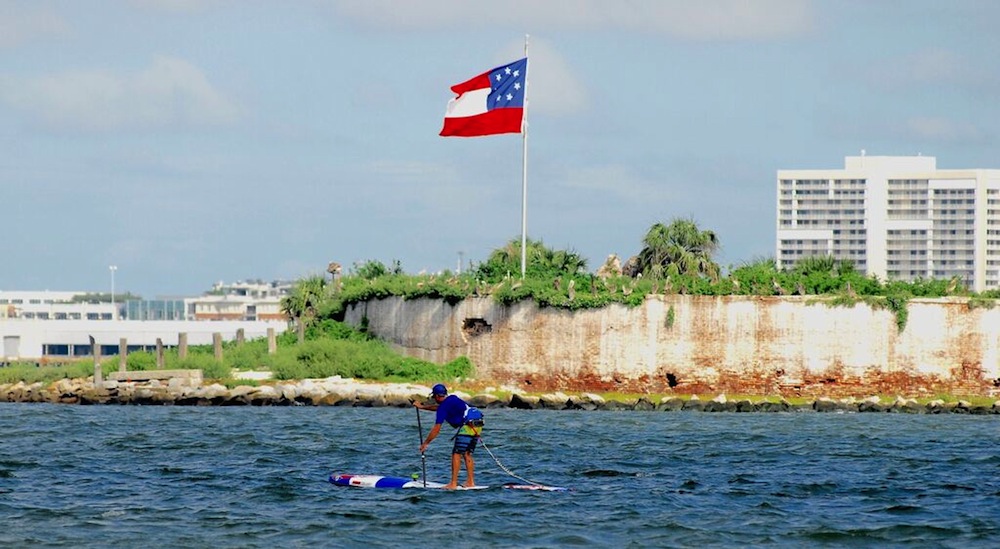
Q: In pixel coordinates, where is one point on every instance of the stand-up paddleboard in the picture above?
(378, 481)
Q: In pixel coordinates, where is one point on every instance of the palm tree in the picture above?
(680, 248)
(559, 262)
(542, 262)
(816, 264)
(301, 304)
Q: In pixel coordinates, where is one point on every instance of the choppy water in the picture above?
(257, 477)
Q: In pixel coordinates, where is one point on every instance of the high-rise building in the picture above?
(896, 217)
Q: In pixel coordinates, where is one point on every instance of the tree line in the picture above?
(675, 258)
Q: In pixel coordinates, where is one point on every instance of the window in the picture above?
(55, 349)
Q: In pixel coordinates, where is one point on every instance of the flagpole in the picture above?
(524, 171)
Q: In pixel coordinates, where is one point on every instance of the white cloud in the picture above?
(401, 184)
(413, 171)
(912, 130)
(553, 88)
(18, 26)
(935, 68)
(925, 67)
(940, 129)
(614, 181)
(174, 6)
(170, 93)
(694, 20)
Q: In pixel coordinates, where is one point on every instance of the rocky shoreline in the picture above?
(337, 391)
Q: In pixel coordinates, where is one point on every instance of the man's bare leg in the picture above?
(455, 463)
(470, 468)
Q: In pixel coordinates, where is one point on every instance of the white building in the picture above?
(44, 325)
(48, 305)
(54, 341)
(896, 217)
(251, 300)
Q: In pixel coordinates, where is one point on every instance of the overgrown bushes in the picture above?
(29, 372)
(374, 361)
(330, 348)
(556, 278)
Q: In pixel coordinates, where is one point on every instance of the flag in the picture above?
(488, 104)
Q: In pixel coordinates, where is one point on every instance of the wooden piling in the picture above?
(217, 344)
(95, 350)
(159, 354)
(272, 342)
(122, 354)
(182, 345)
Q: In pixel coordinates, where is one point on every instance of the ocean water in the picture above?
(131, 476)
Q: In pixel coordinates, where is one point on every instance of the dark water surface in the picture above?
(128, 476)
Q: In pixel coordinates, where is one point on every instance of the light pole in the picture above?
(114, 312)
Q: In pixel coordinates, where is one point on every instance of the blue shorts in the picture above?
(464, 444)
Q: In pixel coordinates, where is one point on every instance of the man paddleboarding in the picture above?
(469, 422)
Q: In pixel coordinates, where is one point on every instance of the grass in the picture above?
(29, 372)
(330, 349)
(973, 400)
(234, 383)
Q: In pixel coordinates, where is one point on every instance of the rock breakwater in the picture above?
(336, 391)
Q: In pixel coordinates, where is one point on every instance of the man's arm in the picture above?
(430, 436)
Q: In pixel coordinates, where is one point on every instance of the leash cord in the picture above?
(501, 465)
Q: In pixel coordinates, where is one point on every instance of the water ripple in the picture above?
(256, 477)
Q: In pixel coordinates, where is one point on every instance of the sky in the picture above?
(188, 142)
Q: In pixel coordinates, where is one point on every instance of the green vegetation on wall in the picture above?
(675, 258)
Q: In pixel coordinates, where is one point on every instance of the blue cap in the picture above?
(439, 389)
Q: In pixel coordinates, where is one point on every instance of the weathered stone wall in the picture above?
(735, 344)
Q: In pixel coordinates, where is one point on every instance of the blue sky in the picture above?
(192, 141)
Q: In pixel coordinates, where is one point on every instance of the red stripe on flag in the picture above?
(474, 83)
(488, 123)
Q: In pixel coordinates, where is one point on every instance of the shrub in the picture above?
(246, 357)
(211, 368)
(29, 372)
(141, 360)
(285, 366)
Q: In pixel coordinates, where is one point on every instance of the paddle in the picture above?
(423, 458)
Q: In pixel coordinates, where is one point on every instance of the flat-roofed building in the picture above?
(55, 325)
(241, 300)
(895, 217)
(54, 305)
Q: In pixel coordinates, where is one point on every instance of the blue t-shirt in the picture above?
(452, 409)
